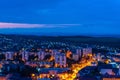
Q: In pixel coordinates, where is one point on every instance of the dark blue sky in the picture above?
(66, 17)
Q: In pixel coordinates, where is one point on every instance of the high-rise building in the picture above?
(54, 52)
(60, 60)
(79, 52)
(9, 55)
(41, 55)
(98, 57)
(86, 51)
(25, 55)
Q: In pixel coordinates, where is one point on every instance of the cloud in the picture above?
(25, 25)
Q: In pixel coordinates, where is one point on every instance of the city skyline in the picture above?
(59, 40)
(65, 17)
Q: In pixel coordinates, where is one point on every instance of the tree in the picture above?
(2, 56)
(47, 57)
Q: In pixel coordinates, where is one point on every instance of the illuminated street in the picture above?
(75, 68)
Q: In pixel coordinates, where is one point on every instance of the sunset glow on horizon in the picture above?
(25, 25)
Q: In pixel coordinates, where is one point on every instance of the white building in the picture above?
(54, 52)
(79, 52)
(25, 55)
(87, 51)
(9, 55)
(98, 57)
(41, 55)
(75, 56)
(60, 60)
(108, 71)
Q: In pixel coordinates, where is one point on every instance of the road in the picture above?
(75, 69)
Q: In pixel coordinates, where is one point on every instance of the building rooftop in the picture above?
(59, 70)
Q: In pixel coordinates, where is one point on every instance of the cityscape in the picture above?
(59, 39)
(54, 58)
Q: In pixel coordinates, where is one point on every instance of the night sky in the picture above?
(60, 17)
